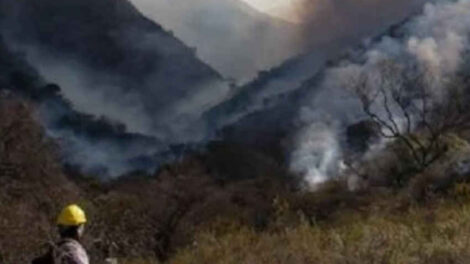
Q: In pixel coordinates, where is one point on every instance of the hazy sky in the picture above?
(238, 42)
(228, 34)
(281, 8)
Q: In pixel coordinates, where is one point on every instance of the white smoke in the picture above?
(317, 152)
(436, 40)
(92, 93)
(103, 158)
(91, 98)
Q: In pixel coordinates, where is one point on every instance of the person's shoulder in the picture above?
(73, 251)
(70, 245)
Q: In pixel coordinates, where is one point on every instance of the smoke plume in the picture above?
(164, 96)
(436, 40)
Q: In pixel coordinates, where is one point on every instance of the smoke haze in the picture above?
(239, 41)
(231, 36)
(436, 40)
(163, 92)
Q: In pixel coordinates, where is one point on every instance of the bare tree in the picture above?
(414, 106)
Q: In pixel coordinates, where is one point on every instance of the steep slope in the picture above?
(279, 90)
(274, 86)
(314, 118)
(308, 115)
(230, 35)
(111, 60)
(94, 143)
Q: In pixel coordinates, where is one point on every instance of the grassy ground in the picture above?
(434, 233)
(202, 211)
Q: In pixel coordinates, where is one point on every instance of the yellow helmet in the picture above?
(71, 215)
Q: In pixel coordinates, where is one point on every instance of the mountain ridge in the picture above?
(115, 52)
(232, 36)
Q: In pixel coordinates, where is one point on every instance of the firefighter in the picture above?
(71, 224)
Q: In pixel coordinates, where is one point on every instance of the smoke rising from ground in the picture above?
(176, 114)
(436, 40)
